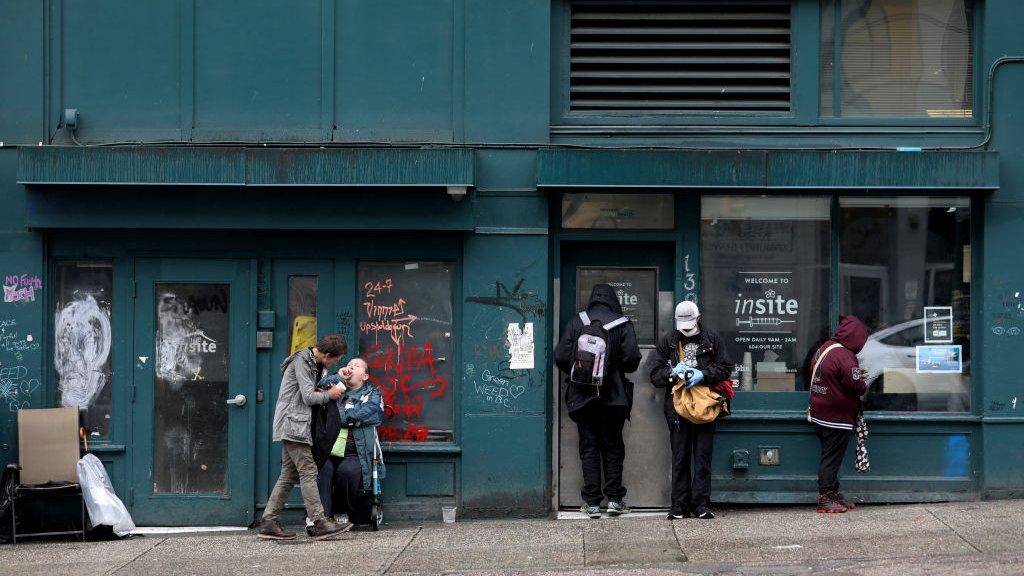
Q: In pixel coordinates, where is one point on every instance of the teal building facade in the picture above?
(195, 189)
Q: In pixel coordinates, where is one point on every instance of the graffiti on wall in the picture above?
(17, 385)
(82, 339)
(404, 328)
(13, 342)
(21, 287)
(1008, 320)
(17, 382)
(501, 363)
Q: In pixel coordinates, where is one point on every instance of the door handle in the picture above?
(238, 400)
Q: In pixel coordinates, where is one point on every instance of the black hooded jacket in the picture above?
(623, 354)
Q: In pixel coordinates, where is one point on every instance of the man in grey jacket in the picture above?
(300, 373)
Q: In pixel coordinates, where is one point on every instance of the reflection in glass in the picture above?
(899, 256)
(190, 430)
(897, 58)
(82, 341)
(302, 296)
(765, 283)
(619, 211)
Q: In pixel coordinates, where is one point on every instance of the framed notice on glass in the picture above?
(938, 324)
(637, 290)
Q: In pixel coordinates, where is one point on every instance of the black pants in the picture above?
(601, 446)
(833, 449)
(339, 481)
(691, 492)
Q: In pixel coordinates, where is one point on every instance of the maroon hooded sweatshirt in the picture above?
(836, 391)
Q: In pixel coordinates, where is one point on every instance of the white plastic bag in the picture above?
(104, 507)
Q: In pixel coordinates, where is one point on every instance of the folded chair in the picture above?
(47, 457)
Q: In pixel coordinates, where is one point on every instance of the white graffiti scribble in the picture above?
(176, 362)
(82, 347)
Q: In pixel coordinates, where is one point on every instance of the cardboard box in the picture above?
(48, 445)
(775, 382)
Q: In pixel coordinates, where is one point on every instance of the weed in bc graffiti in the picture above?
(497, 390)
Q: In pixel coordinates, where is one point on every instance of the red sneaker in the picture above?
(827, 504)
(842, 499)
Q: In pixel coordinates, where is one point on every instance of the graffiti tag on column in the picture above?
(689, 281)
(21, 287)
(524, 302)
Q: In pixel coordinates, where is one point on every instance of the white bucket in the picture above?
(448, 514)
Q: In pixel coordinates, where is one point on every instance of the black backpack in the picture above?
(590, 352)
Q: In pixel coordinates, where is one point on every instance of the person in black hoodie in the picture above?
(691, 350)
(601, 412)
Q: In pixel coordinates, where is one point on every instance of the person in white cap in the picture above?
(697, 356)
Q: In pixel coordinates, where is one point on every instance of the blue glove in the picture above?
(695, 378)
(680, 368)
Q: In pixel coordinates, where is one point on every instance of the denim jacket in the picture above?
(361, 412)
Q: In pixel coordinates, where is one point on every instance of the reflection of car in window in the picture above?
(889, 358)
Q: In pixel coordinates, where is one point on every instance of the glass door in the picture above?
(641, 273)
(192, 452)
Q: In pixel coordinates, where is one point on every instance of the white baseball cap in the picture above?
(687, 315)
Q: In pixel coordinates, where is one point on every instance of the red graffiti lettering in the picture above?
(411, 433)
(407, 377)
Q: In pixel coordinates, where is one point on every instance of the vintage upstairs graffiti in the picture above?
(402, 362)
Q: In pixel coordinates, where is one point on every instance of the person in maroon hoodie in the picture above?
(836, 388)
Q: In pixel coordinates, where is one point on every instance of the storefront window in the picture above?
(405, 335)
(82, 341)
(766, 284)
(905, 271)
(897, 58)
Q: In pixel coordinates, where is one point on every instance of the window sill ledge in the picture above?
(420, 448)
(801, 415)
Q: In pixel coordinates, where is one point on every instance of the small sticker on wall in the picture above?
(938, 324)
(520, 346)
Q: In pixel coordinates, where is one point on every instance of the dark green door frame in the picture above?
(184, 503)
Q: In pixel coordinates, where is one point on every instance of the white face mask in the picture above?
(692, 331)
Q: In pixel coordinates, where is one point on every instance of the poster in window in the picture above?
(765, 286)
(636, 289)
(938, 324)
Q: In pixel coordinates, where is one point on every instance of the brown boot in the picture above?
(272, 530)
(327, 528)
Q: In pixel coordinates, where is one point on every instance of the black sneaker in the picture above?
(617, 508)
(593, 512)
(705, 514)
(678, 514)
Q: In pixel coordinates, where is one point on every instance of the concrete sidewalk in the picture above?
(955, 538)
